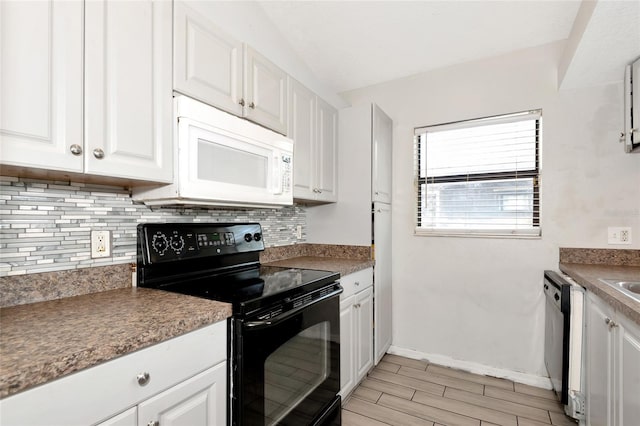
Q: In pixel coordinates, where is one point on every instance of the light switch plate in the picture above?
(100, 244)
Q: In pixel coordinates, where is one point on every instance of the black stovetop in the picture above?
(255, 288)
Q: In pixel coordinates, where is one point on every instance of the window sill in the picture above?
(522, 234)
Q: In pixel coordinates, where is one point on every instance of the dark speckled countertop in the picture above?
(587, 275)
(344, 266)
(43, 341)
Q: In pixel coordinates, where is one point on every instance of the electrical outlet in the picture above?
(100, 244)
(619, 235)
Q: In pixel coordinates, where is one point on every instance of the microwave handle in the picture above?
(277, 173)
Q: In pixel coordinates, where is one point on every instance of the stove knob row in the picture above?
(255, 237)
(161, 243)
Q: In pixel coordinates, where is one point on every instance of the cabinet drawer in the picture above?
(356, 282)
(97, 393)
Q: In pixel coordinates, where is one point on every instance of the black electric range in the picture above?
(284, 335)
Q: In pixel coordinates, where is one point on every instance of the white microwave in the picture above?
(223, 160)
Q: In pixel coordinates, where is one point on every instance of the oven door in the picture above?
(287, 368)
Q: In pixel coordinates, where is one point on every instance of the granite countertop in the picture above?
(43, 341)
(333, 264)
(588, 276)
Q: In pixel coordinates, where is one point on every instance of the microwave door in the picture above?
(240, 169)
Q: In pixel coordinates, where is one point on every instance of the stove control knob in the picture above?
(160, 243)
(248, 237)
(257, 236)
(177, 243)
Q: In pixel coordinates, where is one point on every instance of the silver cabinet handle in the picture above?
(252, 105)
(143, 378)
(76, 149)
(153, 423)
(98, 153)
(357, 283)
(357, 305)
(377, 193)
(241, 101)
(611, 323)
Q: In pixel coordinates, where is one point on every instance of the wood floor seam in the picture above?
(402, 391)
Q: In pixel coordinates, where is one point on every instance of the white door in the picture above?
(599, 364)
(347, 346)
(128, 112)
(364, 350)
(326, 153)
(41, 84)
(629, 373)
(302, 110)
(382, 278)
(265, 88)
(381, 156)
(207, 62)
(201, 400)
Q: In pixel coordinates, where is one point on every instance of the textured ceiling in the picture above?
(352, 44)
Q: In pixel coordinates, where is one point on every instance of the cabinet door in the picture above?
(381, 156)
(347, 346)
(127, 418)
(599, 363)
(629, 373)
(326, 151)
(302, 119)
(201, 400)
(265, 88)
(128, 107)
(382, 278)
(207, 62)
(41, 84)
(364, 341)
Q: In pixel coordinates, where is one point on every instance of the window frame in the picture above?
(529, 233)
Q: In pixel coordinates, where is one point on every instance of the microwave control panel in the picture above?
(169, 242)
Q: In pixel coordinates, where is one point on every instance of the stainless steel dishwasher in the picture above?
(564, 341)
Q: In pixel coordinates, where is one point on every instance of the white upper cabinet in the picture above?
(213, 67)
(41, 84)
(313, 126)
(381, 156)
(126, 132)
(265, 89)
(302, 120)
(327, 140)
(128, 102)
(207, 62)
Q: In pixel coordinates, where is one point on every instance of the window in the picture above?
(480, 177)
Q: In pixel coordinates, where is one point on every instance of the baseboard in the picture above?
(474, 367)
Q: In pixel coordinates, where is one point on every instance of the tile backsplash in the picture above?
(45, 225)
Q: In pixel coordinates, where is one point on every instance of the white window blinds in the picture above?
(479, 177)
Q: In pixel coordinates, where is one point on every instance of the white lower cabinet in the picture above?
(179, 381)
(356, 329)
(612, 366)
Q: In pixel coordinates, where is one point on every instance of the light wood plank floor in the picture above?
(403, 391)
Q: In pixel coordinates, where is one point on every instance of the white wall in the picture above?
(247, 22)
(479, 299)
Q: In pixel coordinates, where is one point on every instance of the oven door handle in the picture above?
(257, 325)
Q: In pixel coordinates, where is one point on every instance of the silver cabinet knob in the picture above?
(252, 105)
(75, 149)
(241, 101)
(357, 283)
(611, 323)
(98, 153)
(153, 423)
(377, 193)
(143, 378)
